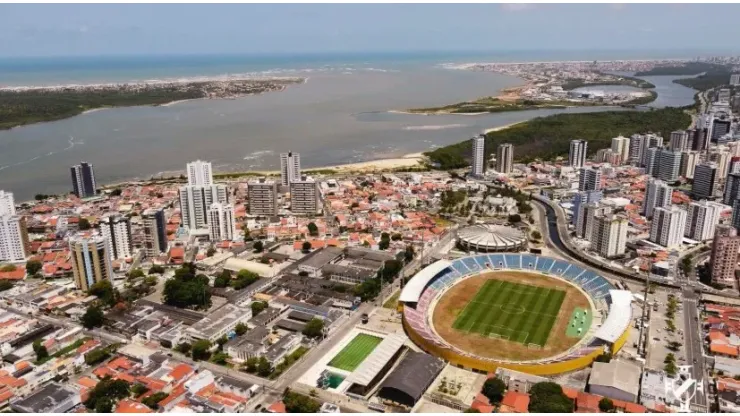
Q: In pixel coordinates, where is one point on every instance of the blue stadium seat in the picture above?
(513, 261)
(573, 272)
(544, 264)
(460, 268)
(497, 261)
(559, 267)
(529, 261)
(472, 265)
(481, 260)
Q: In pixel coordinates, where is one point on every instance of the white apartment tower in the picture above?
(505, 158)
(701, 220)
(621, 147)
(679, 141)
(721, 156)
(589, 179)
(689, 160)
(194, 203)
(290, 168)
(221, 222)
(117, 231)
(577, 153)
(200, 173)
(657, 195)
(669, 165)
(478, 146)
(609, 235)
(667, 228)
(585, 224)
(13, 234)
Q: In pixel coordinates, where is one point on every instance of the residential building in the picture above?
(580, 200)
(262, 196)
(701, 220)
(721, 156)
(195, 201)
(705, 180)
(609, 235)
(735, 80)
(505, 158)
(621, 147)
(584, 227)
(736, 214)
(51, 398)
(701, 139)
(734, 163)
(117, 231)
(720, 127)
(637, 145)
(723, 259)
(650, 141)
(7, 203)
(90, 260)
(667, 228)
(669, 165)
(305, 197)
(219, 323)
(651, 161)
(155, 232)
(14, 244)
(657, 194)
(221, 222)
(200, 173)
(679, 141)
(689, 160)
(479, 155)
(589, 179)
(617, 380)
(83, 180)
(577, 153)
(290, 168)
(732, 189)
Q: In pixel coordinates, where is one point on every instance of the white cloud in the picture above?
(517, 7)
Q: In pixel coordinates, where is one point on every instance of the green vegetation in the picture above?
(100, 354)
(243, 279)
(241, 329)
(93, 317)
(156, 269)
(392, 302)
(314, 328)
(498, 307)
(5, 285)
(258, 307)
(689, 68)
(606, 405)
(687, 264)
(670, 368)
(42, 355)
(351, 356)
(223, 279)
(105, 291)
(33, 267)
(495, 105)
(138, 389)
(104, 395)
(548, 397)
(313, 230)
(201, 349)
(187, 289)
(7, 268)
(298, 403)
(549, 137)
(288, 361)
(152, 401)
(136, 273)
(628, 81)
(84, 224)
(183, 348)
(494, 389)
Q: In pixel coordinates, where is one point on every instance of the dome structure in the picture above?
(488, 238)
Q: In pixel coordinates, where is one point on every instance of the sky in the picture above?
(170, 29)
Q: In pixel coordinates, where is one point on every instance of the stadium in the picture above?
(524, 312)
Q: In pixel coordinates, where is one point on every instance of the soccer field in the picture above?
(355, 352)
(516, 312)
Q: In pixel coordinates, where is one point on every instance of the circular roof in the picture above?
(491, 235)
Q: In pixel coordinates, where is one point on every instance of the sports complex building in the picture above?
(524, 312)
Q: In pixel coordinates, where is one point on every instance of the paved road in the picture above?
(693, 343)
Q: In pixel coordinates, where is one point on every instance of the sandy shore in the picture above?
(486, 131)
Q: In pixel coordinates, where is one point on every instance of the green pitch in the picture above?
(355, 352)
(512, 311)
(580, 319)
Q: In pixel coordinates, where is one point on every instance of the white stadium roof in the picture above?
(491, 236)
(376, 361)
(412, 291)
(620, 315)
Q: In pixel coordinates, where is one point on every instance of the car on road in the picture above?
(365, 318)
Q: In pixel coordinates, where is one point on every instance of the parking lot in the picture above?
(660, 336)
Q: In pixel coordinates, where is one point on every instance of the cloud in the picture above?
(517, 7)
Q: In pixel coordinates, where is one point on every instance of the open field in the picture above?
(512, 311)
(450, 313)
(355, 352)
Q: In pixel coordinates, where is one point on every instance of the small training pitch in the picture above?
(512, 311)
(351, 356)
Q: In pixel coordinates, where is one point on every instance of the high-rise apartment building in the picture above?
(589, 179)
(221, 222)
(194, 203)
(200, 173)
(701, 139)
(290, 168)
(7, 203)
(735, 80)
(577, 153)
(478, 147)
(705, 180)
(505, 158)
(723, 259)
(609, 235)
(621, 147)
(304, 197)
(90, 260)
(721, 156)
(667, 227)
(679, 141)
(262, 197)
(637, 146)
(720, 127)
(585, 225)
(651, 141)
(669, 166)
(83, 180)
(579, 203)
(117, 231)
(14, 244)
(701, 220)
(689, 160)
(155, 232)
(732, 189)
(658, 194)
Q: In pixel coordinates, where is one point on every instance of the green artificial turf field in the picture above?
(350, 357)
(512, 311)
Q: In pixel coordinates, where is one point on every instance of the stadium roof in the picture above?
(412, 291)
(622, 375)
(407, 383)
(620, 314)
(492, 236)
(377, 360)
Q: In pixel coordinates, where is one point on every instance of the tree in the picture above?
(211, 251)
(263, 367)
(384, 244)
(5, 285)
(201, 350)
(93, 317)
(258, 307)
(494, 389)
(223, 279)
(7, 268)
(251, 365)
(687, 264)
(105, 393)
(156, 269)
(243, 279)
(298, 403)
(33, 267)
(153, 401)
(604, 357)
(220, 358)
(138, 389)
(183, 348)
(83, 224)
(396, 237)
(259, 246)
(103, 405)
(116, 192)
(536, 235)
(409, 254)
(548, 397)
(187, 289)
(606, 405)
(136, 273)
(151, 280)
(313, 230)
(314, 328)
(40, 350)
(241, 329)
(221, 341)
(515, 218)
(104, 291)
(306, 246)
(471, 410)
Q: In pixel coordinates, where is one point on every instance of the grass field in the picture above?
(511, 311)
(579, 319)
(355, 352)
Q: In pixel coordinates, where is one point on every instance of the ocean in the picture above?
(340, 115)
